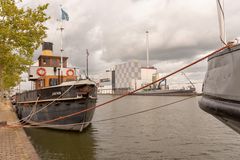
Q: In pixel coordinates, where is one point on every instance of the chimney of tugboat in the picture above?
(47, 48)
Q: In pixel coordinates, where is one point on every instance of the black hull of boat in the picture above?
(167, 93)
(227, 111)
(50, 106)
(59, 109)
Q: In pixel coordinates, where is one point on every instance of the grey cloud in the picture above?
(114, 31)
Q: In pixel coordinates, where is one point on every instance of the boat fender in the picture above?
(70, 72)
(41, 71)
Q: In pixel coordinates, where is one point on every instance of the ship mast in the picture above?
(87, 62)
(61, 49)
(64, 16)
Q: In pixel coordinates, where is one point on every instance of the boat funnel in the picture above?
(47, 48)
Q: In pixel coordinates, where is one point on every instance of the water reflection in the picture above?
(179, 131)
(62, 145)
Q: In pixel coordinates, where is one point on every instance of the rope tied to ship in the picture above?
(35, 112)
(25, 119)
(113, 118)
(132, 92)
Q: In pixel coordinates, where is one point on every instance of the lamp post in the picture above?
(147, 48)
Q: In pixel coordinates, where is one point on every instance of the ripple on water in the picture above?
(181, 131)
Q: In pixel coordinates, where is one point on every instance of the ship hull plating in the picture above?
(45, 108)
(226, 111)
(221, 89)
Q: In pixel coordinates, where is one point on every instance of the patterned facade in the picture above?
(125, 73)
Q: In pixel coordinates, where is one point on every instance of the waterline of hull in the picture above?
(226, 111)
(55, 110)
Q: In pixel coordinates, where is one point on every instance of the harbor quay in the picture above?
(14, 143)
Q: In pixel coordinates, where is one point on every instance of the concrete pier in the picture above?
(14, 143)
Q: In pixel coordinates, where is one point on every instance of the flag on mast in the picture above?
(64, 15)
(221, 19)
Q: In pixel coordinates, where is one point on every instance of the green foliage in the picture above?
(21, 32)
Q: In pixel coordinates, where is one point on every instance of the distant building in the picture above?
(124, 78)
(125, 74)
(147, 76)
(105, 81)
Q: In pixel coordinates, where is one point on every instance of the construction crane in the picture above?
(188, 79)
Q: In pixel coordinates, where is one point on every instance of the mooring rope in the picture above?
(54, 99)
(131, 92)
(112, 118)
(23, 120)
(35, 112)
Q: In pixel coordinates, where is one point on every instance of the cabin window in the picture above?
(53, 81)
(55, 62)
(64, 62)
(41, 83)
(46, 61)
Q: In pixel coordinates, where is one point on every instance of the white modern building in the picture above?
(125, 77)
(147, 75)
(126, 73)
(105, 81)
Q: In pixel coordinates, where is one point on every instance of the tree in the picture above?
(21, 32)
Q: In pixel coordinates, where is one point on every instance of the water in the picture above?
(179, 131)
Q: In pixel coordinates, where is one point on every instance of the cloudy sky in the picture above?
(113, 31)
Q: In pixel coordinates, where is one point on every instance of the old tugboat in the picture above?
(58, 92)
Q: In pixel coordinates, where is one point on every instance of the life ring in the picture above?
(70, 72)
(41, 71)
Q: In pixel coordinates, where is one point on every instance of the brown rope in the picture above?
(107, 119)
(129, 93)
